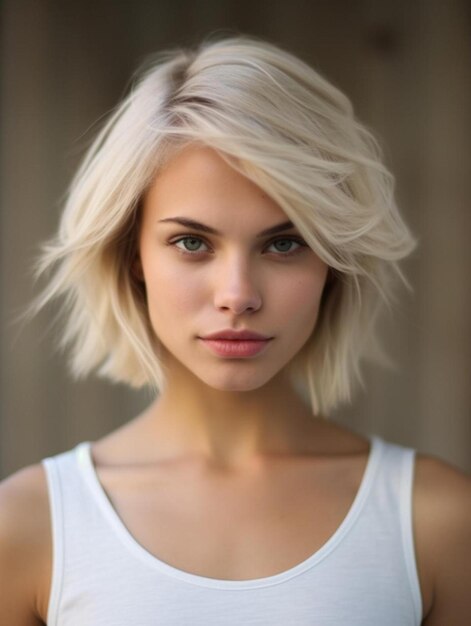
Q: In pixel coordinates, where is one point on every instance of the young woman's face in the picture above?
(201, 282)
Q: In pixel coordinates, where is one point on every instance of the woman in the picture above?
(227, 241)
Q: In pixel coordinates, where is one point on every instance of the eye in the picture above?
(192, 242)
(283, 246)
(284, 241)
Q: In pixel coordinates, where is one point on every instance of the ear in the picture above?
(330, 276)
(329, 282)
(136, 269)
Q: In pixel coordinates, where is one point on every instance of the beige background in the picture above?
(405, 65)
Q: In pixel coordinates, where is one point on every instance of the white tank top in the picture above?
(364, 575)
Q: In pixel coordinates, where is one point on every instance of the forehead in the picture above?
(199, 182)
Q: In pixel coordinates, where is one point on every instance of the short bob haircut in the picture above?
(281, 124)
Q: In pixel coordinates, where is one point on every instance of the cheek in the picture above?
(171, 290)
(299, 298)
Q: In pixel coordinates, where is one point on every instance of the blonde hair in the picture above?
(284, 126)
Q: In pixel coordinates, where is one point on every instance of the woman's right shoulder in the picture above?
(25, 547)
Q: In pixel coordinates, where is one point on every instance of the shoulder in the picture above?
(442, 528)
(442, 497)
(25, 545)
(24, 508)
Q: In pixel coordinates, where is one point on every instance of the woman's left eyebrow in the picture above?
(184, 221)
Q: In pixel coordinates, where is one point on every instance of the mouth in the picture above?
(236, 348)
(244, 334)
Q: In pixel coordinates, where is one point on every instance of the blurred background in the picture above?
(405, 64)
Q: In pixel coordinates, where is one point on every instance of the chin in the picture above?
(231, 382)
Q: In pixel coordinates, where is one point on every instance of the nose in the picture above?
(236, 288)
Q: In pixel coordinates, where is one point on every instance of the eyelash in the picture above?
(198, 253)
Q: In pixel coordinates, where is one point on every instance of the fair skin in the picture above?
(247, 466)
(233, 409)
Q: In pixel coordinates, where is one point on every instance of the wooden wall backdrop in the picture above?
(405, 65)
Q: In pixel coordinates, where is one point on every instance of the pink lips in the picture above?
(233, 343)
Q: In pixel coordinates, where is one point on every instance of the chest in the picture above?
(234, 528)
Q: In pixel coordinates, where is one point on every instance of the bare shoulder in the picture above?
(25, 547)
(442, 520)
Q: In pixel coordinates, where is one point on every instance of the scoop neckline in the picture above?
(88, 472)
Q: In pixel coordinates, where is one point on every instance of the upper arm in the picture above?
(24, 544)
(444, 530)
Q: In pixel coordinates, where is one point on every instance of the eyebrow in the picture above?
(184, 221)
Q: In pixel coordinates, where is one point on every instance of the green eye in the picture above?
(286, 245)
(190, 244)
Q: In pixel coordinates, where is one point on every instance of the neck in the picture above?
(229, 428)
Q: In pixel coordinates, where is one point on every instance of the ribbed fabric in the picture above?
(364, 575)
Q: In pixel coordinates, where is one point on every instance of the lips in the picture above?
(236, 343)
(236, 335)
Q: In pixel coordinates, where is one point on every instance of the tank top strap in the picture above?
(390, 509)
